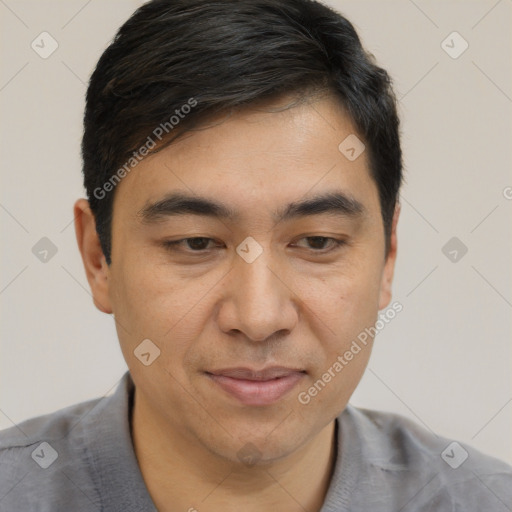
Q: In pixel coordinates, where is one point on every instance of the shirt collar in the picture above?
(116, 472)
(113, 462)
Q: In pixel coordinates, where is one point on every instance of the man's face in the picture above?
(219, 314)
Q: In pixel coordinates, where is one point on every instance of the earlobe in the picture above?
(389, 266)
(95, 265)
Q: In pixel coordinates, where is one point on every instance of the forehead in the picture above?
(257, 160)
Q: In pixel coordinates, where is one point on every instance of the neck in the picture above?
(183, 475)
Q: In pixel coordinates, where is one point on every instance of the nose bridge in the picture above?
(261, 302)
(257, 279)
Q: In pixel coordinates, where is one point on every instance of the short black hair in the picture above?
(174, 63)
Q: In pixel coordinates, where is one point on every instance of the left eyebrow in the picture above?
(178, 203)
(337, 203)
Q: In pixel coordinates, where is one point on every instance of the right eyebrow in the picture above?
(179, 203)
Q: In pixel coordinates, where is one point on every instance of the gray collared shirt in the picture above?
(81, 458)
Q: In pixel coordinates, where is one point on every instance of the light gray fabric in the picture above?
(384, 463)
(96, 468)
(391, 464)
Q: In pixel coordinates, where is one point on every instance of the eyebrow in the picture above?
(178, 203)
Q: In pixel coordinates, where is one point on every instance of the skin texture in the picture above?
(291, 307)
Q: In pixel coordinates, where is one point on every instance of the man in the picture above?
(242, 164)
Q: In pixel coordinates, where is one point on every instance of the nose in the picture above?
(258, 300)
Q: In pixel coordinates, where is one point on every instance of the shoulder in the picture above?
(428, 469)
(78, 458)
(52, 426)
(40, 457)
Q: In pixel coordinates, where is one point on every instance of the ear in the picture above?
(389, 266)
(95, 264)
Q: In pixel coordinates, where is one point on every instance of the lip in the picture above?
(257, 387)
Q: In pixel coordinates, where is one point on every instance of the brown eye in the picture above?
(193, 244)
(197, 243)
(318, 243)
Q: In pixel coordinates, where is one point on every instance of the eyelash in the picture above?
(173, 245)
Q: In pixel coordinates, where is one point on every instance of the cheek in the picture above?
(138, 297)
(153, 301)
(345, 307)
(345, 300)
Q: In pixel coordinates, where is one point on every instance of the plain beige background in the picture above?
(444, 361)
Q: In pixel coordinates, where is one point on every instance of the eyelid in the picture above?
(336, 243)
(172, 245)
